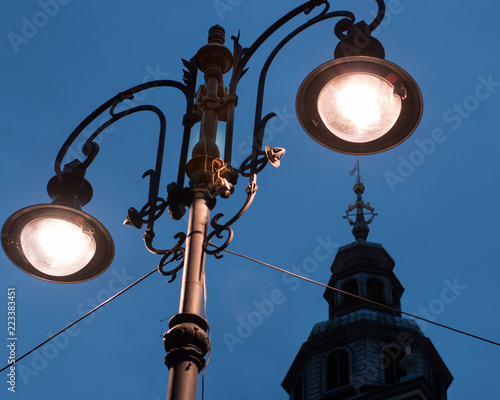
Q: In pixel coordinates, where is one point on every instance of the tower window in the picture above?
(350, 286)
(375, 290)
(392, 355)
(337, 369)
(298, 390)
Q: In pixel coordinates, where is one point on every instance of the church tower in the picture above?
(365, 351)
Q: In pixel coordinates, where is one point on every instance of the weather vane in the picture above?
(360, 225)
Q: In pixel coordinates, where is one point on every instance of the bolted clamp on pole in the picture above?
(186, 344)
(187, 339)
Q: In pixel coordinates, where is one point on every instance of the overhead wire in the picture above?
(360, 298)
(82, 317)
(266, 265)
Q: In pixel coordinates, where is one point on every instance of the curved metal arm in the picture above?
(111, 104)
(152, 209)
(259, 122)
(187, 88)
(253, 164)
(155, 205)
(155, 175)
(380, 16)
(243, 55)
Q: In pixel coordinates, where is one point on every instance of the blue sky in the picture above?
(436, 194)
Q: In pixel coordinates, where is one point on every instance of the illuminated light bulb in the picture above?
(359, 107)
(359, 104)
(57, 247)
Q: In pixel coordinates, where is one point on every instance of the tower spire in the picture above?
(359, 352)
(360, 228)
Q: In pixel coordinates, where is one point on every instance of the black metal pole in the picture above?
(187, 341)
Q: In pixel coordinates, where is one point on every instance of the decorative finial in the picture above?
(360, 228)
(216, 35)
(215, 57)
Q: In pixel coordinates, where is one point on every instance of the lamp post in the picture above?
(358, 103)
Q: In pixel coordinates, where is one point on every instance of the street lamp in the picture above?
(357, 103)
(58, 242)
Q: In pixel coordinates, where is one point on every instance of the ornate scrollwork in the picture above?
(176, 253)
(256, 162)
(149, 212)
(219, 229)
(152, 210)
(253, 164)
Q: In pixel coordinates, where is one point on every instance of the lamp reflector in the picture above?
(359, 105)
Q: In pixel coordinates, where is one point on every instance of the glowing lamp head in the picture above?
(359, 105)
(57, 243)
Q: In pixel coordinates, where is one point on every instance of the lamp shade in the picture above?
(57, 243)
(359, 105)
